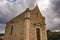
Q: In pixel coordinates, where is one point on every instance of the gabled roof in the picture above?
(31, 10)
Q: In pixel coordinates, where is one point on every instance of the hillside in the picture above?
(53, 35)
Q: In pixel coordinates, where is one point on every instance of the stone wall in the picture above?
(24, 26)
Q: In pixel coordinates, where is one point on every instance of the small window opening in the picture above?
(38, 33)
(11, 30)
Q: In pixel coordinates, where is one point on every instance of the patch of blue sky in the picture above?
(11, 0)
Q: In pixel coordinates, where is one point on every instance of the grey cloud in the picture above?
(10, 10)
(56, 7)
(3, 18)
(31, 3)
(2, 28)
(52, 14)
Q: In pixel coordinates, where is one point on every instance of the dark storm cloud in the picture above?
(52, 14)
(56, 7)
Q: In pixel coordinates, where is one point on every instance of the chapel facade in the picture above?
(29, 25)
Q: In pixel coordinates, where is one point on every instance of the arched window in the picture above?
(38, 33)
(11, 30)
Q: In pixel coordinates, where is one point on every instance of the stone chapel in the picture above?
(29, 25)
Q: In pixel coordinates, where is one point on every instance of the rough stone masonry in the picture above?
(29, 25)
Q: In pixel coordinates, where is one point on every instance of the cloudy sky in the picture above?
(50, 9)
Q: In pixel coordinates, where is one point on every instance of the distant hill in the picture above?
(53, 35)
